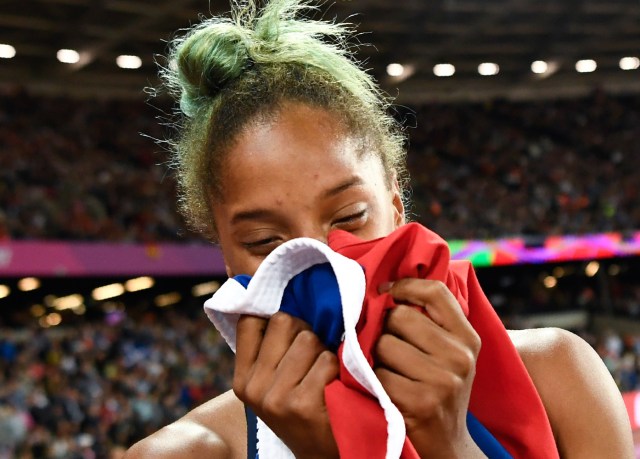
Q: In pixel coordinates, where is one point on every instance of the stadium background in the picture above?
(534, 176)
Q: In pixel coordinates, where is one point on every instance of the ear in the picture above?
(396, 201)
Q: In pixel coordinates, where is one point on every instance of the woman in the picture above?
(285, 137)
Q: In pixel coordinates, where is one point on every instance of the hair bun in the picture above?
(207, 59)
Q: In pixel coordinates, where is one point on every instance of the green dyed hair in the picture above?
(227, 72)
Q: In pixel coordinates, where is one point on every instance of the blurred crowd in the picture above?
(528, 168)
(89, 391)
(91, 170)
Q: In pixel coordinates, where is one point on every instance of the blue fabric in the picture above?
(314, 297)
(252, 433)
(485, 441)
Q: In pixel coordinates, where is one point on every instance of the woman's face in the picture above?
(298, 175)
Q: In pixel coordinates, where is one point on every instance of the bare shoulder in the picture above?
(583, 403)
(216, 428)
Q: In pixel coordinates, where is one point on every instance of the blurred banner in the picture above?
(21, 258)
(25, 258)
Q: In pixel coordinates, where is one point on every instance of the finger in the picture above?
(281, 332)
(414, 327)
(407, 394)
(436, 297)
(401, 357)
(249, 334)
(324, 370)
(298, 360)
(435, 347)
(284, 393)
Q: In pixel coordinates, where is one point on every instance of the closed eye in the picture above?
(350, 219)
(260, 242)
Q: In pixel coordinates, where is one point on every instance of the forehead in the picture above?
(299, 145)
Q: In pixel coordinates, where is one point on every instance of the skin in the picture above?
(299, 174)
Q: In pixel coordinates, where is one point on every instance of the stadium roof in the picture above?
(415, 33)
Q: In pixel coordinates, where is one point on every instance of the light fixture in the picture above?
(488, 69)
(7, 51)
(586, 66)
(139, 283)
(539, 67)
(206, 288)
(395, 70)
(68, 302)
(4, 291)
(444, 70)
(68, 56)
(592, 268)
(107, 291)
(28, 284)
(629, 63)
(128, 62)
(550, 281)
(167, 299)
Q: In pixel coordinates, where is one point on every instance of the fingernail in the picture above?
(384, 287)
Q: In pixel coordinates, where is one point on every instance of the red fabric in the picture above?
(503, 397)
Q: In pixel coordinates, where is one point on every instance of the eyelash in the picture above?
(352, 217)
(260, 243)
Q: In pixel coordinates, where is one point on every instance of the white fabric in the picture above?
(263, 297)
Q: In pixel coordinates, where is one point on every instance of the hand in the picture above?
(427, 365)
(281, 371)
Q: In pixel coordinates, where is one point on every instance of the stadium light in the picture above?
(107, 291)
(629, 63)
(592, 268)
(139, 283)
(28, 284)
(53, 319)
(539, 67)
(7, 51)
(586, 66)
(68, 302)
(68, 56)
(4, 291)
(128, 62)
(167, 299)
(488, 69)
(395, 70)
(37, 310)
(444, 70)
(206, 288)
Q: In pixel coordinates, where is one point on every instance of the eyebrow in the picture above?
(349, 183)
(264, 214)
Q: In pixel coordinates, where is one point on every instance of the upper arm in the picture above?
(584, 405)
(181, 440)
(215, 429)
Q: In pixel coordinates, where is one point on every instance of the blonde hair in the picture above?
(226, 72)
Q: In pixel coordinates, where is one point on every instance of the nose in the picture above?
(317, 232)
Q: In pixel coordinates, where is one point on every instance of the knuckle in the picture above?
(281, 319)
(439, 288)
(383, 345)
(308, 339)
(475, 343)
(272, 405)
(329, 359)
(251, 392)
(427, 403)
